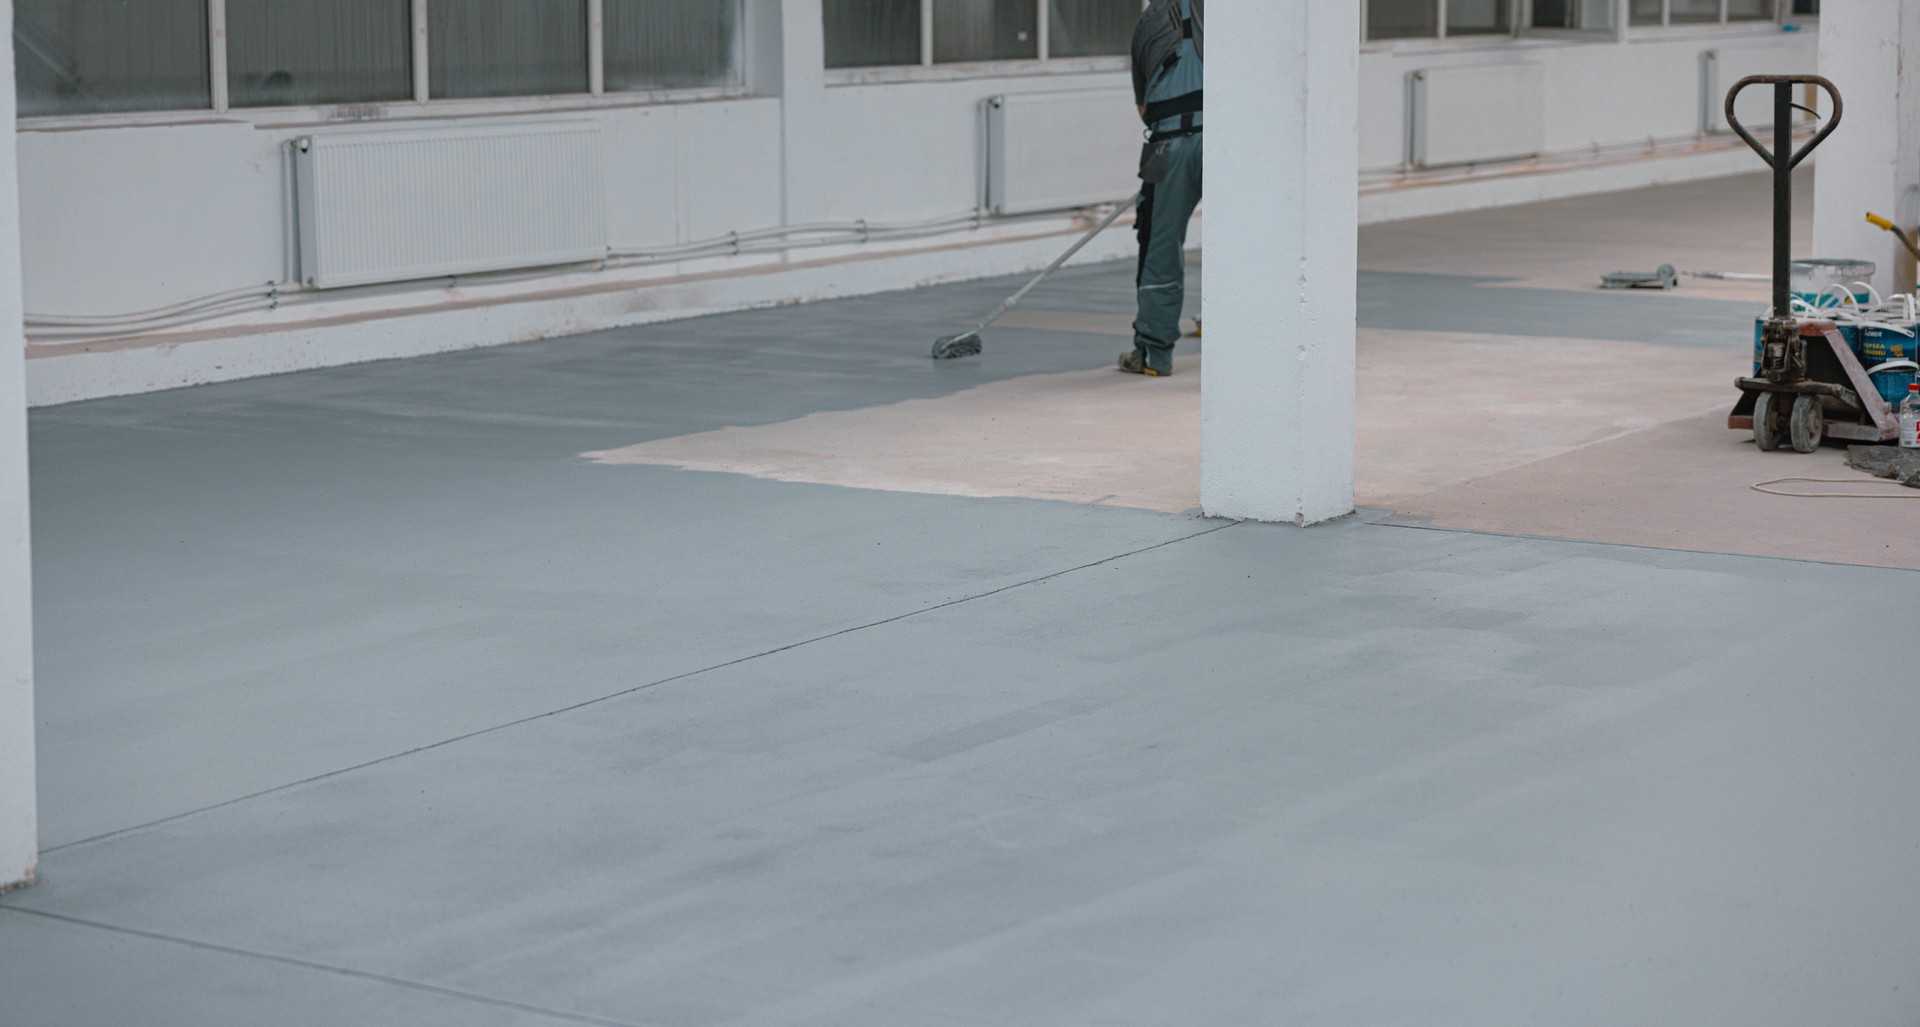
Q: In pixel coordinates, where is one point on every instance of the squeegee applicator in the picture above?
(967, 344)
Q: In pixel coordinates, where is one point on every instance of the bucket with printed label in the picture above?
(1890, 352)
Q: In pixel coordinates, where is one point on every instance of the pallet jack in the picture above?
(1811, 384)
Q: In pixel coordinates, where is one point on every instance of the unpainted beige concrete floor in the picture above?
(1605, 441)
(1097, 436)
(1687, 484)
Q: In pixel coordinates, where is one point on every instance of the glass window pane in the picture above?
(1806, 6)
(1645, 12)
(1597, 15)
(344, 51)
(1586, 15)
(1749, 10)
(985, 30)
(872, 33)
(1478, 17)
(1694, 11)
(93, 56)
(1403, 19)
(506, 47)
(1092, 28)
(672, 44)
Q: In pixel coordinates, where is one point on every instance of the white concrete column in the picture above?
(801, 77)
(19, 846)
(1282, 184)
(1871, 51)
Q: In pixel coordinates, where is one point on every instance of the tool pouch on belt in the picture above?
(1155, 159)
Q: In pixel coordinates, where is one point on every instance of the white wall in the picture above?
(122, 219)
(913, 150)
(19, 849)
(132, 218)
(1871, 52)
(1598, 94)
(689, 171)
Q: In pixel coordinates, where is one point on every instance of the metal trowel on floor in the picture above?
(1665, 277)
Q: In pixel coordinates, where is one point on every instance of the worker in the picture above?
(1167, 49)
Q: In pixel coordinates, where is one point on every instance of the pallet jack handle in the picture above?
(1783, 158)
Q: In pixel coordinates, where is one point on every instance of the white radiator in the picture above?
(1721, 68)
(392, 206)
(1476, 115)
(1051, 151)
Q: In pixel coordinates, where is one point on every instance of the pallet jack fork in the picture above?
(1811, 384)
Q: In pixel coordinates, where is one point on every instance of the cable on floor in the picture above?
(1763, 486)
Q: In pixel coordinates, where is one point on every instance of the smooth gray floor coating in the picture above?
(54, 973)
(1459, 303)
(380, 706)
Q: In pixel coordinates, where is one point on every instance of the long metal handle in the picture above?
(1105, 223)
(1783, 87)
(1783, 159)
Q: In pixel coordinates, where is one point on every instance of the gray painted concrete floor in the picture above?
(364, 701)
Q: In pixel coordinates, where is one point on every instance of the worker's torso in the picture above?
(1174, 94)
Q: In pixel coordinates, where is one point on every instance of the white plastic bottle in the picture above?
(1910, 418)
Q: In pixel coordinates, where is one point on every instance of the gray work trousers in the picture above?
(1167, 201)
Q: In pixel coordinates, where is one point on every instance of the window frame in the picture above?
(1787, 16)
(1622, 29)
(421, 105)
(928, 70)
(1517, 16)
(1782, 15)
(1611, 32)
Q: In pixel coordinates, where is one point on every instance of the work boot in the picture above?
(1134, 361)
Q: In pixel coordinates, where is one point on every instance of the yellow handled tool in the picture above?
(1905, 237)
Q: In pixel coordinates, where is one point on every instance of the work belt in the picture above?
(1176, 133)
(1182, 107)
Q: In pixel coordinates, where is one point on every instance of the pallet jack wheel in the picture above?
(1767, 426)
(1806, 424)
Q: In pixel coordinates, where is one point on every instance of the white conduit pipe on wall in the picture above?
(77, 329)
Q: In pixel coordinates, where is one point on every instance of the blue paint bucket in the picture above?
(1893, 383)
(1877, 345)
